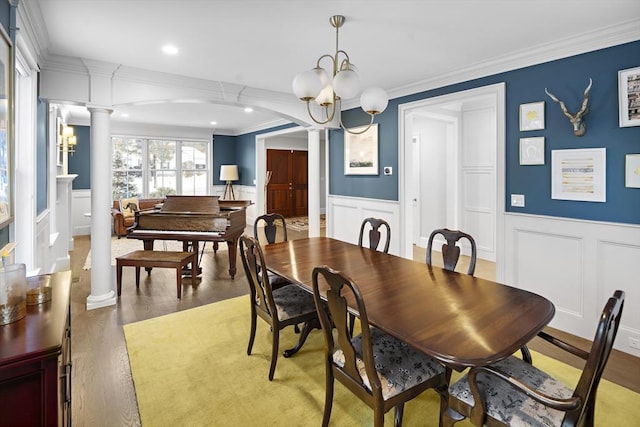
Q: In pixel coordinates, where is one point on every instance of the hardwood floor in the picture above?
(103, 391)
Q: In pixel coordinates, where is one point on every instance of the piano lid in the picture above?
(191, 204)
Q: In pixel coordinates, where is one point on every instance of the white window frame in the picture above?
(146, 171)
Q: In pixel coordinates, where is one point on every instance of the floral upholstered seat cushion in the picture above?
(291, 301)
(399, 367)
(510, 406)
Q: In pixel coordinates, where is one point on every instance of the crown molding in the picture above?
(564, 48)
(31, 27)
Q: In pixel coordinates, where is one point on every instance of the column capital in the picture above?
(93, 108)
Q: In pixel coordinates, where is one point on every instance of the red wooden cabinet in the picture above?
(35, 362)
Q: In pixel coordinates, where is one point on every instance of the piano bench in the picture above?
(160, 259)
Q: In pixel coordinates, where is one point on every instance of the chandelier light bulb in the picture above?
(346, 84)
(307, 85)
(374, 100)
(326, 96)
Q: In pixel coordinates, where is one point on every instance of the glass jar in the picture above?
(38, 289)
(13, 293)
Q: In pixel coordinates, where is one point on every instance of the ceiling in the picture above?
(395, 44)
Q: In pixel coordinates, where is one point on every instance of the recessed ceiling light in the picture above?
(248, 109)
(213, 123)
(170, 49)
(124, 115)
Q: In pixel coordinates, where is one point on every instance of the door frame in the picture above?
(405, 135)
(262, 143)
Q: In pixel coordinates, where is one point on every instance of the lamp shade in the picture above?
(326, 96)
(229, 173)
(67, 131)
(307, 85)
(374, 100)
(346, 84)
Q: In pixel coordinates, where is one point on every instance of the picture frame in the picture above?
(632, 171)
(629, 97)
(361, 151)
(579, 174)
(532, 116)
(532, 151)
(6, 129)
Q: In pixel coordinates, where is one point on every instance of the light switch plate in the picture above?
(517, 200)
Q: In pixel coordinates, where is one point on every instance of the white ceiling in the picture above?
(395, 44)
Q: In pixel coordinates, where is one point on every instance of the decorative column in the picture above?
(314, 182)
(102, 274)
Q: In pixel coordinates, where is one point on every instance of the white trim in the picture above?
(406, 224)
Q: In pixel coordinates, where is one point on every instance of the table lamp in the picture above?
(228, 173)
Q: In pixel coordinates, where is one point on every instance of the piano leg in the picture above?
(233, 245)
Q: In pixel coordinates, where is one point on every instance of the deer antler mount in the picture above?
(579, 126)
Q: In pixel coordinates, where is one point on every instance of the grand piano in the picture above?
(191, 220)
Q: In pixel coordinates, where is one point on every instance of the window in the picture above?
(156, 168)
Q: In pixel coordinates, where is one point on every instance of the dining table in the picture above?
(461, 320)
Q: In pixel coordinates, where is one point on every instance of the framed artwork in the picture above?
(632, 171)
(532, 151)
(6, 130)
(532, 116)
(361, 151)
(579, 174)
(629, 97)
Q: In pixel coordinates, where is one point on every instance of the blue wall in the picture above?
(246, 154)
(224, 153)
(80, 161)
(567, 79)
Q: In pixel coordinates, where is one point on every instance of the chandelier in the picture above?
(327, 87)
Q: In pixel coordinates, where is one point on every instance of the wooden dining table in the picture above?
(461, 320)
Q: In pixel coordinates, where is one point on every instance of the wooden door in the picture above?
(287, 188)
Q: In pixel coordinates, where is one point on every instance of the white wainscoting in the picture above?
(345, 215)
(577, 265)
(81, 207)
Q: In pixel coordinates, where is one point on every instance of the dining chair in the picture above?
(272, 222)
(374, 233)
(281, 307)
(450, 250)
(512, 392)
(381, 370)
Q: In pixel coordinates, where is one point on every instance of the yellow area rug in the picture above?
(190, 368)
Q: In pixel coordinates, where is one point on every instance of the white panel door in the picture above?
(478, 192)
